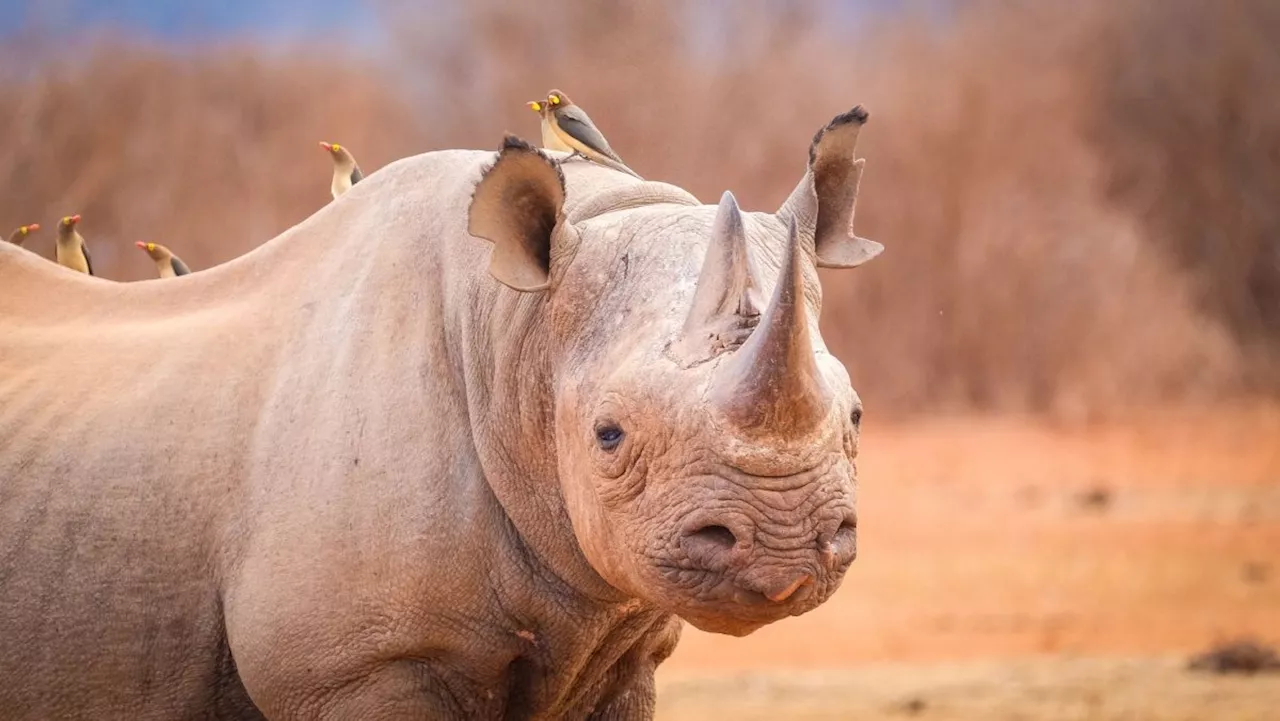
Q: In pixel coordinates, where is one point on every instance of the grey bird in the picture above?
(571, 124)
(168, 265)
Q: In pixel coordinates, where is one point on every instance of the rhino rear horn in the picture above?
(725, 279)
(827, 196)
(724, 309)
(772, 385)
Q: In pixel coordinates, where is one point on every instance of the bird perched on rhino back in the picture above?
(19, 234)
(550, 140)
(571, 124)
(346, 172)
(168, 265)
(70, 248)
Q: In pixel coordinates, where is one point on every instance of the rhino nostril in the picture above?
(715, 536)
(848, 529)
(842, 546)
(711, 547)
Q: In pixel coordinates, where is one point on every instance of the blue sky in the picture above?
(197, 19)
(267, 20)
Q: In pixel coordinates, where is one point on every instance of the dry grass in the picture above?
(1023, 272)
(1043, 690)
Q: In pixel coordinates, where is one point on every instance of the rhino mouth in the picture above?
(717, 604)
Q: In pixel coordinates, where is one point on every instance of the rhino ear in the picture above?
(825, 199)
(516, 206)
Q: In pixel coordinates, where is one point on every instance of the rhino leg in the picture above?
(632, 695)
(631, 701)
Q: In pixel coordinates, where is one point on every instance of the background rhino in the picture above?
(348, 475)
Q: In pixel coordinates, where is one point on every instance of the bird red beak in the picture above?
(33, 227)
(74, 219)
(327, 146)
(141, 245)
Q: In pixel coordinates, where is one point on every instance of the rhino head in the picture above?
(705, 438)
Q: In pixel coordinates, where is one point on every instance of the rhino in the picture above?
(470, 442)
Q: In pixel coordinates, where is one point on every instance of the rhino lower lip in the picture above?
(788, 599)
(744, 607)
(725, 592)
(747, 597)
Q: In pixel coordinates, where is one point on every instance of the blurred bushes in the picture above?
(1190, 125)
(1079, 203)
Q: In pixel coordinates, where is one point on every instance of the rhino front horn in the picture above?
(772, 385)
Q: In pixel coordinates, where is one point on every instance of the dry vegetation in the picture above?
(1044, 690)
(1080, 213)
(1197, 155)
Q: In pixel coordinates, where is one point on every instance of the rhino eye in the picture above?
(608, 435)
(856, 416)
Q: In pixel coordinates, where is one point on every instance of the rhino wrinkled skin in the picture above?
(358, 474)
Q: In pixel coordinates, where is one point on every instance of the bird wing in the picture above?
(575, 121)
(356, 175)
(88, 262)
(179, 268)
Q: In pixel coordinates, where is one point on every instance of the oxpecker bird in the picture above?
(574, 128)
(168, 265)
(19, 236)
(550, 140)
(71, 249)
(346, 172)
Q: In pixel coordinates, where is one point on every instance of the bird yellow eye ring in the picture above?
(554, 99)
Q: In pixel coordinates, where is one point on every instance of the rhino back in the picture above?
(139, 419)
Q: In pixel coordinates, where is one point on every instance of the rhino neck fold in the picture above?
(510, 382)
